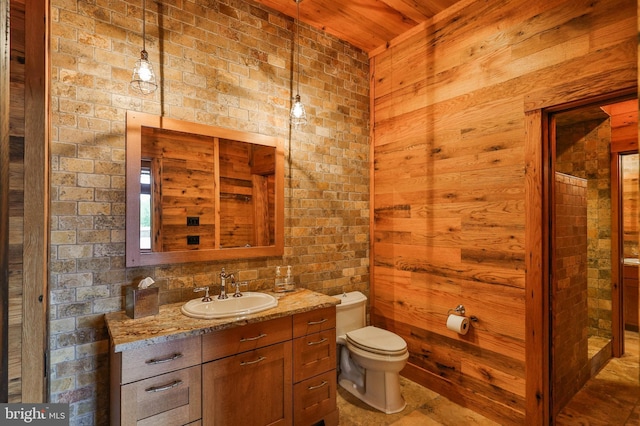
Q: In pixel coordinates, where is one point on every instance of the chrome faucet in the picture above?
(223, 283)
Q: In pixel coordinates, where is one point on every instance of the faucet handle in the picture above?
(206, 297)
(237, 287)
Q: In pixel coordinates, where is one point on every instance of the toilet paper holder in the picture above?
(458, 310)
(461, 311)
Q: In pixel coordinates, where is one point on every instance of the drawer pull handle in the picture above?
(164, 387)
(250, 339)
(323, 320)
(262, 358)
(324, 383)
(163, 360)
(324, 339)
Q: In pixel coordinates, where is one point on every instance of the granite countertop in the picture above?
(170, 323)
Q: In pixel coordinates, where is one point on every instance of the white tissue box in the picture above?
(141, 302)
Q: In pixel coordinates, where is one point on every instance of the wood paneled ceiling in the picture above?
(367, 24)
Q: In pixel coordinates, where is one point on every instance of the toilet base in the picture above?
(385, 396)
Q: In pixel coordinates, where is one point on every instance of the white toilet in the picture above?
(370, 358)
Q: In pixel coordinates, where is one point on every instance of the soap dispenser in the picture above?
(289, 285)
(279, 282)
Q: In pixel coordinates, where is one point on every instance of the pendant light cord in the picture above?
(144, 26)
(298, 46)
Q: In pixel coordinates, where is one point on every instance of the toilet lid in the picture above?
(377, 340)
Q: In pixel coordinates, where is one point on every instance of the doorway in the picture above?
(585, 230)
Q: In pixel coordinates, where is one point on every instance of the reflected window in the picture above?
(145, 205)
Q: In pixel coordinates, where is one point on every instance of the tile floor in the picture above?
(424, 408)
(612, 398)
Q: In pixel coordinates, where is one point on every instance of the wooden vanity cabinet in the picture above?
(157, 384)
(314, 367)
(275, 372)
(246, 375)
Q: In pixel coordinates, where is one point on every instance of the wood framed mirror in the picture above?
(199, 193)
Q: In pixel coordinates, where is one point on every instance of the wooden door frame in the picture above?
(537, 254)
(617, 303)
(617, 227)
(36, 202)
(5, 94)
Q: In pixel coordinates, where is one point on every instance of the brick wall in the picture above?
(224, 63)
(571, 366)
(583, 151)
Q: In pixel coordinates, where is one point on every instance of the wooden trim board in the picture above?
(36, 204)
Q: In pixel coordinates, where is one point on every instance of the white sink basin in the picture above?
(249, 303)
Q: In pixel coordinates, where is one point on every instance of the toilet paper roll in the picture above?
(458, 323)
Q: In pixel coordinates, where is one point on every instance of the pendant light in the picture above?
(298, 114)
(144, 79)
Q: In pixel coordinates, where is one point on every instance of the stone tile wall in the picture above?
(571, 367)
(225, 63)
(583, 151)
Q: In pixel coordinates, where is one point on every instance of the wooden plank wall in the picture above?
(448, 181)
(16, 199)
(35, 254)
(631, 205)
(236, 195)
(5, 95)
(188, 187)
(624, 139)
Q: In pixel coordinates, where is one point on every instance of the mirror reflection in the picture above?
(630, 170)
(197, 192)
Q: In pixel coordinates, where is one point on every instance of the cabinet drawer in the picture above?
(314, 321)
(244, 338)
(160, 358)
(172, 398)
(314, 354)
(314, 398)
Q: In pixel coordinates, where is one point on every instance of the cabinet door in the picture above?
(630, 291)
(250, 389)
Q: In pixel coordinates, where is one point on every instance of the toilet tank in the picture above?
(351, 312)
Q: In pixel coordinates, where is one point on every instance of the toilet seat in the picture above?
(378, 341)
